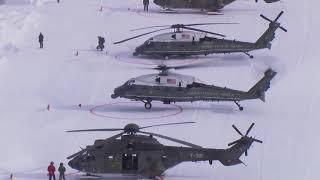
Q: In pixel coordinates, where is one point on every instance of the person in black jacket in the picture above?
(101, 42)
(146, 5)
(41, 40)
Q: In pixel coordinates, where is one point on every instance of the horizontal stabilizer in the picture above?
(230, 162)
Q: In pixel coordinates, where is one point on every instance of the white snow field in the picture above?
(31, 78)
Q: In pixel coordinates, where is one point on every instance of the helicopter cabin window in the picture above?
(185, 36)
(174, 36)
(129, 161)
(171, 81)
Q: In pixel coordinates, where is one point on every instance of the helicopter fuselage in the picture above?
(140, 155)
(191, 43)
(170, 88)
(211, 5)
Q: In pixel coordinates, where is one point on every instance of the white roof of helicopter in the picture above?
(181, 36)
(170, 80)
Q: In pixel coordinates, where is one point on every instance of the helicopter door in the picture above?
(129, 161)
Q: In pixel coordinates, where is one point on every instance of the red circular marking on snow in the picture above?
(178, 110)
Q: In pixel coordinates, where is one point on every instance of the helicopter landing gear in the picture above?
(239, 106)
(147, 104)
(246, 53)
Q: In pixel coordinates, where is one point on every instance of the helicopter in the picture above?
(138, 153)
(197, 42)
(208, 5)
(170, 87)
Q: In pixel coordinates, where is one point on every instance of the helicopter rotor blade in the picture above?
(234, 142)
(280, 14)
(76, 154)
(208, 32)
(168, 124)
(179, 25)
(257, 140)
(172, 139)
(150, 27)
(86, 149)
(200, 24)
(248, 131)
(95, 130)
(235, 128)
(261, 15)
(140, 35)
(108, 139)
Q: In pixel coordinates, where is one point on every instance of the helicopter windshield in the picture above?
(129, 82)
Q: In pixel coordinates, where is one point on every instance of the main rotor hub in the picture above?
(131, 128)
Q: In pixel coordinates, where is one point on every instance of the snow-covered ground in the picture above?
(31, 79)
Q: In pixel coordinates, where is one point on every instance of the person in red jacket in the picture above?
(51, 171)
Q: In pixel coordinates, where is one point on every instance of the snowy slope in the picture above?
(31, 79)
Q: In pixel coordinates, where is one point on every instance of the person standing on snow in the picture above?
(62, 171)
(58, 1)
(101, 42)
(146, 5)
(51, 171)
(41, 40)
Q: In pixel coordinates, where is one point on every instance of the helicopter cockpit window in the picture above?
(88, 157)
(130, 82)
(149, 43)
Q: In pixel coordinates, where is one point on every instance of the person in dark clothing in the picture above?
(62, 171)
(101, 42)
(58, 1)
(41, 40)
(146, 5)
(51, 170)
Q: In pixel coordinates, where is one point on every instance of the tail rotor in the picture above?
(275, 21)
(245, 139)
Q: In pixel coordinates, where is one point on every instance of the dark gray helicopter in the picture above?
(170, 87)
(138, 153)
(196, 42)
(209, 5)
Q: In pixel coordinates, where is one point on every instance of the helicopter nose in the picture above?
(137, 51)
(73, 164)
(116, 93)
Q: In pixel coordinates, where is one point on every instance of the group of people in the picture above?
(51, 172)
(100, 46)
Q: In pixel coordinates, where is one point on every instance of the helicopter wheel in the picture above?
(148, 105)
(239, 106)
